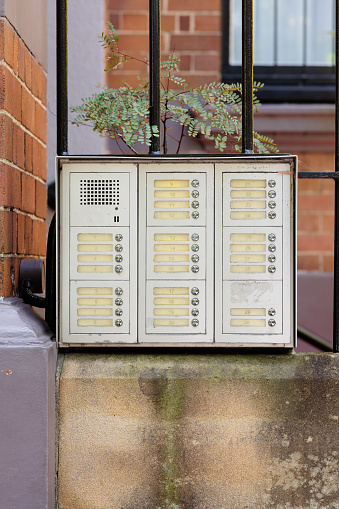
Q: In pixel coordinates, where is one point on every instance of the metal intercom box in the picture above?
(176, 251)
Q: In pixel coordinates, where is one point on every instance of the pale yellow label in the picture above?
(171, 268)
(176, 301)
(239, 214)
(82, 301)
(248, 183)
(171, 237)
(241, 258)
(94, 237)
(95, 248)
(165, 322)
(95, 322)
(255, 193)
(171, 204)
(248, 312)
(249, 269)
(176, 214)
(247, 323)
(248, 248)
(171, 194)
(95, 290)
(248, 204)
(95, 312)
(171, 312)
(171, 258)
(94, 269)
(171, 183)
(171, 247)
(170, 291)
(97, 258)
(248, 237)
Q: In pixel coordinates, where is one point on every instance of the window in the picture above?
(294, 48)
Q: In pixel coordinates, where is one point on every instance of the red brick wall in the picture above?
(190, 28)
(23, 168)
(193, 29)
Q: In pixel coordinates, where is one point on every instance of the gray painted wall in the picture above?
(85, 71)
(29, 17)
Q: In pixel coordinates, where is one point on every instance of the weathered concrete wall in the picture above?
(198, 431)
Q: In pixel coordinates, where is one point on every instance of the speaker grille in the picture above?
(99, 192)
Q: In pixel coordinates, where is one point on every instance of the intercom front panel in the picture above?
(98, 225)
(255, 246)
(176, 269)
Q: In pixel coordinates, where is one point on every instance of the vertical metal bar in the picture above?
(154, 85)
(62, 78)
(336, 206)
(247, 76)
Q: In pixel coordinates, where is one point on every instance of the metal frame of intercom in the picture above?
(218, 338)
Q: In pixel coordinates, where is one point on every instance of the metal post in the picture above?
(62, 78)
(247, 76)
(336, 206)
(154, 75)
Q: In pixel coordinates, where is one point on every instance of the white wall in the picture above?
(85, 71)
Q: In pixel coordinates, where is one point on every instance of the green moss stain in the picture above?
(171, 410)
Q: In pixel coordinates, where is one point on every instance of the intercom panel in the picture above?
(255, 244)
(176, 269)
(98, 259)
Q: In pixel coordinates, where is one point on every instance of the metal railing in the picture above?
(247, 117)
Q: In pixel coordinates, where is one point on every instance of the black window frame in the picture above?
(296, 84)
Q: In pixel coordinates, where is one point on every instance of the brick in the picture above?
(28, 110)
(193, 5)
(40, 199)
(134, 22)
(39, 234)
(136, 5)
(9, 275)
(138, 65)
(207, 62)
(18, 146)
(15, 54)
(309, 222)
(328, 263)
(2, 39)
(2, 87)
(319, 185)
(207, 23)
(28, 236)
(115, 20)
(14, 93)
(8, 232)
(195, 80)
(39, 160)
(195, 42)
(21, 59)
(315, 202)
(328, 222)
(28, 69)
(185, 63)
(184, 23)
(167, 23)
(9, 44)
(309, 262)
(10, 187)
(28, 152)
(40, 129)
(21, 234)
(42, 92)
(133, 43)
(315, 242)
(35, 72)
(28, 193)
(315, 161)
(6, 137)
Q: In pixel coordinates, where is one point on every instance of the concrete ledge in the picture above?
(198, 431)
(27, 409)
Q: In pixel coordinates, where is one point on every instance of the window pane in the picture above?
(263, 31)
(320, 32)
(235, 32)
(290, 32)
